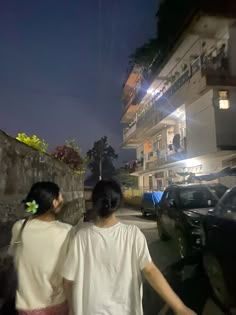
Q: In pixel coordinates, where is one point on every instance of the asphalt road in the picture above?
(189, 282)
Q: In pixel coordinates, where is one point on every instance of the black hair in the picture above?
(43, 193)
(106, 197)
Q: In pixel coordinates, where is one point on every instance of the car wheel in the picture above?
(162, 234)
(181, 244)
(217, 281)
(155, 213)
(144, 213)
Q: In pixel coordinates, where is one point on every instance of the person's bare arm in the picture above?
(161, 286)
(68, 287)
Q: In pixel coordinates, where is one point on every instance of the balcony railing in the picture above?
(166, 156)
(152, 165)
(216, 63)
(129, 131)
(135, 166)
(165, 159)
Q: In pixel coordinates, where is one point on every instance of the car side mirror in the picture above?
(171, 203)
(218, 209)
(211, 203)
(211, 212)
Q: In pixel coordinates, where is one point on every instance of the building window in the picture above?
(150, 182)
(223, 97)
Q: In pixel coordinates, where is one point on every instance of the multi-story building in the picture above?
(185, 122)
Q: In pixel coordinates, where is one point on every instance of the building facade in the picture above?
(184, 123)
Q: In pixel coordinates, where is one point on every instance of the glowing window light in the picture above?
(224, 102)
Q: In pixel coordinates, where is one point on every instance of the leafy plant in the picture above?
(72, 144)
(166, 83)
(184, 67)
(145, 55)
(34, 142)
(125, 179)
(154, 52)
(173, 79)
(68, 156)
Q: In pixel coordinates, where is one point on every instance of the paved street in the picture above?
(189, 282)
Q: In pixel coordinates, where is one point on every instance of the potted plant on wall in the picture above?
(177, 73)
(184, 67)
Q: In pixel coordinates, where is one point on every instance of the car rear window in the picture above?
(196, 197)
(218, 190)
(227, 205)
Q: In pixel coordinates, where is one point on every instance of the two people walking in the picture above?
(97, 271)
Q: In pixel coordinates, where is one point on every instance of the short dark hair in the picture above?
(106, 197)
(43, 193)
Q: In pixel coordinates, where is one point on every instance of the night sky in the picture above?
(63, 63)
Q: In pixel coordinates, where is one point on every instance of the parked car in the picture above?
(219, 240)
(150, 201)
(180, 212)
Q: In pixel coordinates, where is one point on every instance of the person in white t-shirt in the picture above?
(103, 267)
(39, 246)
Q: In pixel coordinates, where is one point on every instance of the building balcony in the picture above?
(128, 131)
(203, 74)
(135, 167)
(129, 95)
(164, 157)
(152, 165)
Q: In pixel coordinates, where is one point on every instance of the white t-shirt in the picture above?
(39, 259)
(105, 265)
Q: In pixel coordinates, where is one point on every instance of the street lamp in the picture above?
(100, 168)
(101, 152)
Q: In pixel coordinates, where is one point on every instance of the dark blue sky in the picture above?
(62, 65)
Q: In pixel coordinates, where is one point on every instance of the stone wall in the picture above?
(20, 167)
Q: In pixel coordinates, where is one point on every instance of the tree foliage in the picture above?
(103, 153)
(33, 141)
(145, 55)
(170, 19)
(125, 179)
(69, 154)
(72, 144)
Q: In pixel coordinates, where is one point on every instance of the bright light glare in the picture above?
(152, 92)
(192, 163)
(224, 104)
(178, 113)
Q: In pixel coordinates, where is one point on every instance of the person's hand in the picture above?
(185, 311)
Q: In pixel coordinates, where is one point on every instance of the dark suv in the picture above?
(219, 238)
(180, 212)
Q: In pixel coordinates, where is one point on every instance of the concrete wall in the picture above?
(225, 122)
(200, 126)
(232, 49)
(140, 181)
(20, 167)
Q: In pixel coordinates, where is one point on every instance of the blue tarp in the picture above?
(154, 196)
